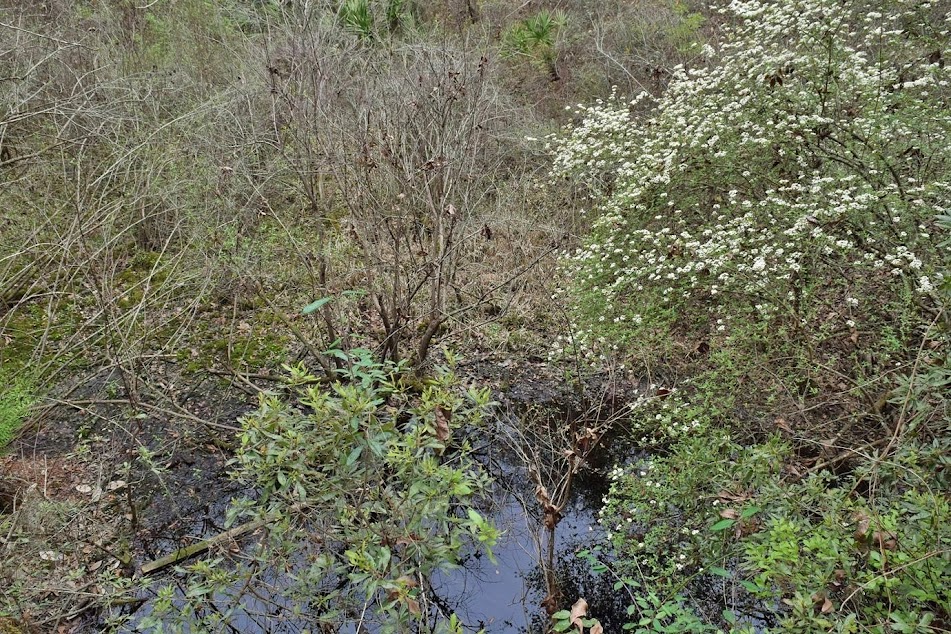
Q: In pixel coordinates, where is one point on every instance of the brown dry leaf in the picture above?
(885, 540)
(730, 514)
(413, 606)
(727, 496)
(442, 424)
(596, 628)
(407, 540)
(826, 606)
(861, 530)
(541, 494)
(840, 576)
(578, 610)
(407, 581)
(783, 425)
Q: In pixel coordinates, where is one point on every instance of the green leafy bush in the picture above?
(366, 488)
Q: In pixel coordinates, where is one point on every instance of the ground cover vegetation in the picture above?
(194, 193)
(242, 241)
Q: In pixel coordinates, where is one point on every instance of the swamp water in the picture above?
(507, 595)
(501, 596)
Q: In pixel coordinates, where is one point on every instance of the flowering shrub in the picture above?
(772, 239)
(791, 188)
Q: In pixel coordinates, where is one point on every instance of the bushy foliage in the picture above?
(366, 489)
(771, 236)
(790, 189)
(712, 512)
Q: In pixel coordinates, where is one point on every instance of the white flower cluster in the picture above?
(816, 149)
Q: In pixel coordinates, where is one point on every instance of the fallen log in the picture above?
(190, 551)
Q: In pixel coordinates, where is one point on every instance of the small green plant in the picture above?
(536, 38)
(357, 18)
(360, 18)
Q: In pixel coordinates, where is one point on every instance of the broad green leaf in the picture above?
(722, 525)
(316, 305)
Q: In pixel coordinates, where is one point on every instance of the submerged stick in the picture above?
(190, 551)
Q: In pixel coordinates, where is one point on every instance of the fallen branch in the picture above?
(190, 551)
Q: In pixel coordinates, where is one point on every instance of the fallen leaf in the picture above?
(407, 581)
(596, 628)
(727, 496)
(861, 529)
(729, 514)
(84, 488)
(413, 606)
(840, 576)
(578, 610)
(115, 485)
(885, 540)
(826, 606)
(783, 425)
(51, 555)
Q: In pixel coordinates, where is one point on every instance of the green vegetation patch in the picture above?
(16, 398)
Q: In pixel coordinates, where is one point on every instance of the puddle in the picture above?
(505, 595)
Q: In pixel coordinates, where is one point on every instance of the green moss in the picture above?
(15, 402)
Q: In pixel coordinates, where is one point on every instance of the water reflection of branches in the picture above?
(554, 447)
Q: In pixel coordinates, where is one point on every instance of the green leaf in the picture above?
(316, 305)
(354, 455)
(750, 586)
(722, 525)
(561, 615)
(728, 616)
(720, 572)
(750, 512)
